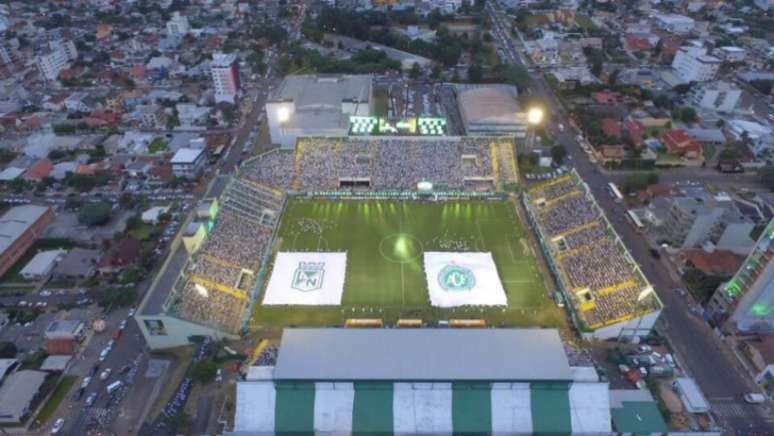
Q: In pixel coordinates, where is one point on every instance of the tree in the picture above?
(416, 71)
(435, 73)
(94, 213)
(7, 350)
(766, 176)
(558, 153)
(204, 371)
(475, 73)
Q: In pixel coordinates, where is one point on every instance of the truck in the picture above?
(690, 395)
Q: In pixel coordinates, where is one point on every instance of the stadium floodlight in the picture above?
(535, 116)
(283, 114)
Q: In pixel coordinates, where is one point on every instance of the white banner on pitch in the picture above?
(463, 279)
(307, 279)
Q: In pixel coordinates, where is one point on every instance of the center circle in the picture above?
(401, 248)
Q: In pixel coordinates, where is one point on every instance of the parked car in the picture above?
(85, 382)
(105, 374)
(91, 399)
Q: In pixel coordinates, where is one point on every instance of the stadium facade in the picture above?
(414, 381)
(491, 110)
(747, 300)
(317, 105)
(608, 295)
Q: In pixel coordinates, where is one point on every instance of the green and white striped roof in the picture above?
(270, 406)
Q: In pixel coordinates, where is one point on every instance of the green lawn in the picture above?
(385, 241)
(59, 394)
(158, 145)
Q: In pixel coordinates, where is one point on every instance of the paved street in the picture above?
(708, 360)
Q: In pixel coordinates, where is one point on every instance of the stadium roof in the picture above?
(490, 105)
(421, 355)
(16, 221)
(323, 91)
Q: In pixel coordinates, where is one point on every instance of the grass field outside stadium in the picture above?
(385, 241)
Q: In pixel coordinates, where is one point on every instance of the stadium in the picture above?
(379, 229)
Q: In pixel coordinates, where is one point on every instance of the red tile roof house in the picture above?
(636, 131)
(722, 263)
(39, 170)
(638, 43)
(678, 142)
(611, 127)
(607, 97)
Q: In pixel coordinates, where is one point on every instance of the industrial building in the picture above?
(317, 105)
(20, 227)
(413, 381)
(491, 110)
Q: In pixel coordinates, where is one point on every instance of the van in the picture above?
(113, 386)
(754, 398)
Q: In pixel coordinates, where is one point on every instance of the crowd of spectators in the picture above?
(229, 259)
(400, 163)
(566, 214)
(595, 270)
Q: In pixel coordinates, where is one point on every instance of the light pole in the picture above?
(534, 119)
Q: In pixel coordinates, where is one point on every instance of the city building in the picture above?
(20, 227)
(491, 110)
(693, 64)
(693, 220)
(63, 336)
(42, 264)
(731, 53)
(56, 58)
(17, 394)
(720, 96)
(747, 300)
(78, 263)
(420, 381)
(188, 162)
(317, 105)
(675, 23)
(178, 25)
(225, 77)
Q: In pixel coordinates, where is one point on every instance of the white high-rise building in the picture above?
(693, 64)
(717, 96)
(178, 25)
(56, 59)
(225, 77)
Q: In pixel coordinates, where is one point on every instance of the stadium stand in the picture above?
(596, 272)
(219, 281)
(385, 164)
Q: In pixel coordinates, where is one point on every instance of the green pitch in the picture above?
(385, 240)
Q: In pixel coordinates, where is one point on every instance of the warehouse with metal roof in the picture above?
(409, 381)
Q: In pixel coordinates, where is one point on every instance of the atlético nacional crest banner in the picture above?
(461, 279)
(313, 279)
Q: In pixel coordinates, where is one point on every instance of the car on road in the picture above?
(85, 382)
(58, 425)
(122, 325)
(105, 374)
(45, 293)
(113, 386)
(754, 398)
(104, 354)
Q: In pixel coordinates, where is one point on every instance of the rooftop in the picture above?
(186, 155)
(16, 221)
(422, 355)
(223, 60)
(323, 91)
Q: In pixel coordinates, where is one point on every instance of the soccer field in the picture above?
(385, 241)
